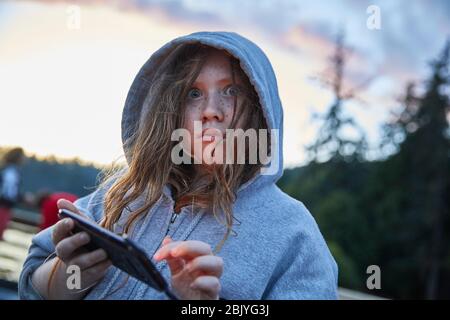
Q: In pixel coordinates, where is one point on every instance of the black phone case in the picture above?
(124, 253)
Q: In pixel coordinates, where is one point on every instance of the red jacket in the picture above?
(49, 208)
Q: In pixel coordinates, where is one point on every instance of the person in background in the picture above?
(10, 181)
(47, 202)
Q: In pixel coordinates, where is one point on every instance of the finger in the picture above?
(66, 247)
(66, 204)
(208, 284)
(164, 251)
(206, 265)
(191, 249)
(175, 265)
(97, 272)
(87, 260)
(61, 230)
(167, 240)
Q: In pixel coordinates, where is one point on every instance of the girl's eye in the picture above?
(194, 93)
(232, 91)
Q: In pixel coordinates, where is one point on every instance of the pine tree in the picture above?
(424, 154)
(331, 143)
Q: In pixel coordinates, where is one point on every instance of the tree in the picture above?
(420, 133)
(331, 143)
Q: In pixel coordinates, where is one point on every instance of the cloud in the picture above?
(297, 37)
(408, 35)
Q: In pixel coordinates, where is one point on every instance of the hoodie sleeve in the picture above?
(307, 269)
(42, 247)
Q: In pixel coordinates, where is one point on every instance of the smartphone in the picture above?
(124, 253)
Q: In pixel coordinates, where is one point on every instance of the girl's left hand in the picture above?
(195, 270)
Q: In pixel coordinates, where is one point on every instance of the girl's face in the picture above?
(211, 100)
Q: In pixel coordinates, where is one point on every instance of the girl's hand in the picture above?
(93, 265)
(195, 270)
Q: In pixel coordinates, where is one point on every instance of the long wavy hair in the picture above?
(151, 168)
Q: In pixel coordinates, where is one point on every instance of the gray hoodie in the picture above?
(276, 250)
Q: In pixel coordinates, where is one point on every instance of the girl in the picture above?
(216, 229)
(10, 185)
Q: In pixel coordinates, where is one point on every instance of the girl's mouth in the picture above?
(211, 134)
(208, 138)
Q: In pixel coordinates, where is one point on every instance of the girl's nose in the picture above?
(212, 110)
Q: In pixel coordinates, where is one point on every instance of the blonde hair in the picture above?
(150, 168)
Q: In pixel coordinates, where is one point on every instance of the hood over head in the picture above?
(253, 62)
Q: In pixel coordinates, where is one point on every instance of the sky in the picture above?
(66, 66)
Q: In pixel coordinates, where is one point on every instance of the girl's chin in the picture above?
(206, 155)
(204, 168)
(208, 161)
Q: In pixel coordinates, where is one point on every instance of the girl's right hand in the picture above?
(93, 265)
